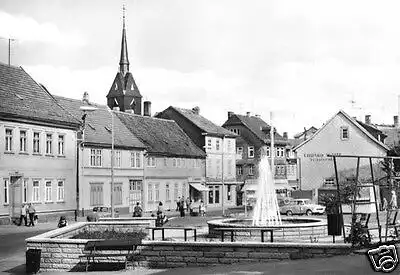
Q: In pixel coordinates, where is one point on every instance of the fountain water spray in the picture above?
(266, 211)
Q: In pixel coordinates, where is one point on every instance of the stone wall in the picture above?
(63, 254)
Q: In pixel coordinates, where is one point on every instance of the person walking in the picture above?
(23, 215)
(137, 211)
(182, 208)
(31, 212)
(178, 204)
(202, 208)
(187, 204)
(393, 200)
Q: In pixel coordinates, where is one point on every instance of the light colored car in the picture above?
(300, 207)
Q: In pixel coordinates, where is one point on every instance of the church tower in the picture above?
(124, 92)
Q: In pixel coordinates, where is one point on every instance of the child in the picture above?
(62, 222)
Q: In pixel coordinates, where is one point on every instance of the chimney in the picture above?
(285, 136)
(396, 121)
(147, 108)
(247, 113)
(230, 114)
(196, 110)
(257, 115)
(368, 119)
(85, 98)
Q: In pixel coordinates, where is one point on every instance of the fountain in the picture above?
(266, 211)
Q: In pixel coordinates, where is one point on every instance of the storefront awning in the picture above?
(199, 187)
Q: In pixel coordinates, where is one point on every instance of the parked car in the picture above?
(104, 212)
(300, 207)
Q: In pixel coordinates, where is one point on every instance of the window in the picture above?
(251, 170)
(344, 133)
(96, 194)
(9, 140)
(251, 151)
(329, 181)
(239, 151)
(117, 158)
(151, 162)
(135, 185)
(35, 191)
(280, 152)
(49, 144)
(217, 145)
(157, 191)
(235, 130)
(239, 170)
(228, 192)
(48, 190)
(183, 163)
(6, 191)
(25, 191)
(95, 157)
(136, 160)
(150, 192)
(229, 146)
(36, 143)
(229, 167)
(167, 194)
(178, 162)
(118, 193)
(268, 151)
(165, 162)
(22, 141)
(174, 162)
(60, 190)
(176, 188)
(209, 143)
(60, 145)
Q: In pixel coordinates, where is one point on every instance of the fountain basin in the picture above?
(292, 228)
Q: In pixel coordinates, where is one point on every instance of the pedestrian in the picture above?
(182, 202)
(187, 204)
(23, 215)
(137, 211)
(160, 215)
(178, 204)
(62, 222)
(182, 208)
(393, 200)
(31, 212)
(384, 204)
(191, 207)
(202, 208)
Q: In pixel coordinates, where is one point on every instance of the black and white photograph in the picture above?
(199, 137)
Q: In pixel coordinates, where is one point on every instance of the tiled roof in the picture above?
(99, 125)
(258, 126)
(161, 136)
(201, 122)
(309, 132)
(23, 97)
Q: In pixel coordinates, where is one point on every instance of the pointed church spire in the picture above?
(124, 62)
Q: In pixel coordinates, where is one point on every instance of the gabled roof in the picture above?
(352, 121)
(202, 123)
(311, 130)
(161, 136)
(21, 97)
(256, 125)
(98, 127)
(373, 130)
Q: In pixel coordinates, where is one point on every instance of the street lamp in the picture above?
(85, 109)
(112, 159)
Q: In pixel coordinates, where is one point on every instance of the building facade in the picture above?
(219, 145)
(254, 138)
(341, 135)
(95, 159)
(37, 149)
(174, 166)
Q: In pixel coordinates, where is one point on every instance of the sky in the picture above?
(302, 61)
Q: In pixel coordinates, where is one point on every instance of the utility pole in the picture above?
(222, 179)
(272, 150)
(112, 163)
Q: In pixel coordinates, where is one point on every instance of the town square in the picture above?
(199, 137)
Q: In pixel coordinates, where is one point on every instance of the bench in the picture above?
(95, 249)
(162, 229)
(243, 229)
